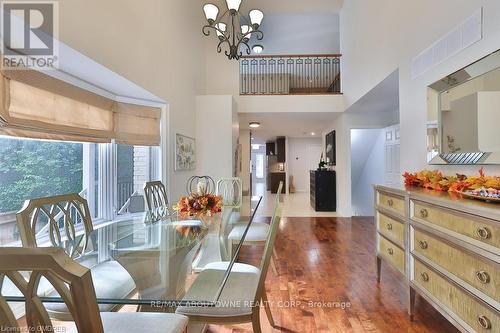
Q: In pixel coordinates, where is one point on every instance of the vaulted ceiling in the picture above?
(286, 6)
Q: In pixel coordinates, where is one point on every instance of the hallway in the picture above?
(295, 205)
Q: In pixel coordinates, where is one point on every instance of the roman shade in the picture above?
(39, 106)
(137, 124)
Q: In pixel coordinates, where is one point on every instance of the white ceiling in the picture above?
(286, 6)
(290, 124)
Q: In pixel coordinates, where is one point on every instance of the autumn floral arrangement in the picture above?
(199, 203)
(480, 186)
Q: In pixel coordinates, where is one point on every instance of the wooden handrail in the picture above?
(292, 56)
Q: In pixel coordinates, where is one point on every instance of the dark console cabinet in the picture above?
(323, 191)
(276, 178)
(270, 148)
(281, 150)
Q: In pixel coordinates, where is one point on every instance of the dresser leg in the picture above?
(379, 267)
(411, 303)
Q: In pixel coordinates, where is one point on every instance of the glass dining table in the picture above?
(160, 253)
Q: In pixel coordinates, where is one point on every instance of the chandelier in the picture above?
(232, 28)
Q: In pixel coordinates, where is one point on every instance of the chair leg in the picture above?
(273, 266)
(267, 307)
(274, 253)
(256, 320)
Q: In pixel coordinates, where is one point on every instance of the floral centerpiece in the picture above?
(199, 203)
(481, 186)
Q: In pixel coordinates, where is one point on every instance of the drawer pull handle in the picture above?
(483, 277)
(484, 322)
(390, 251)
(423, 245)
(389, 226)
(424, 213)
(390, 202)
(425, 277)
(483, 233)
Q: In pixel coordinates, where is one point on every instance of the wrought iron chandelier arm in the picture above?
(248, 49)
(260, 34)
(219, 46)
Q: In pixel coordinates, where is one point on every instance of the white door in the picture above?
(392, 156)
(303, 158)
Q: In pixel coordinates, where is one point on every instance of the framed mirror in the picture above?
(463, 115)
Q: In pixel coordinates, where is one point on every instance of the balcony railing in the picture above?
(290, 74)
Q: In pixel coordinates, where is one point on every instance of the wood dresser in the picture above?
(447, 249)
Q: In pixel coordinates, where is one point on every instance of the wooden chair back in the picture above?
(268, 248)
(156, 196)
(231, 190)
(57, 220)
(71, 280)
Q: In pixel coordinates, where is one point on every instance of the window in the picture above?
(259, 166)
(38, 168)
(136, 165)
(33, 169)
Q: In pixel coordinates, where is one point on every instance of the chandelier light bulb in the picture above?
(211, 12)
(256, 17)
(233, 5)
(245, 29)
(258, 49)
(222, 27)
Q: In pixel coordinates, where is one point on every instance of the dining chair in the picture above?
(64, 221)
(257, 232)
(231, 190)
(75, 283)
(157, 199)
(243, 292)
(207, 181)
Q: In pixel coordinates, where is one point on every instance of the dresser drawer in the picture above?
(391, 228)
(476, 314)
(391, 202)
(392, 254)
(481, 273)
(480, 229)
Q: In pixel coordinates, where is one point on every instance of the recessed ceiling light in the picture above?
(313, 134)
(254, 124)
(257, 49)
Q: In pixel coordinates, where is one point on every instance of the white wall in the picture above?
(343, 125)
(300, 33)
(292, 103)
(244, 173)
(303, 155)
(216, 136)
(367, 158)
(150, 44)
(375, 45)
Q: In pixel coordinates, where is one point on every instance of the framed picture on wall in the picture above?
(185, 153)
(330, 148)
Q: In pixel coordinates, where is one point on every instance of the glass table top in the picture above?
(153, 257)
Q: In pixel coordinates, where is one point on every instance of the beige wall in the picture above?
(373, 46)
(156, 43)
(244, 173)
(216, 132)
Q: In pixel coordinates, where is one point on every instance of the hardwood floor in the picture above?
(332, 260)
